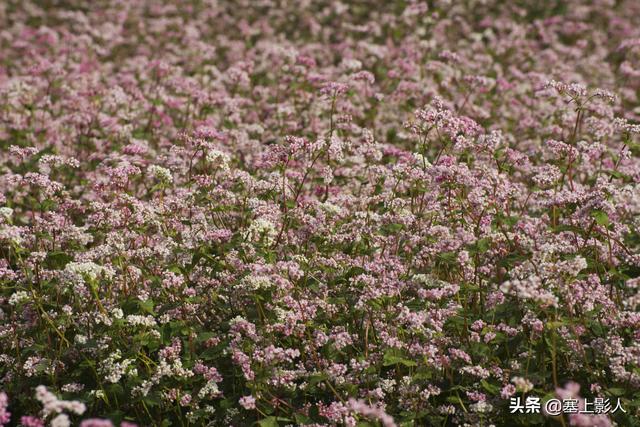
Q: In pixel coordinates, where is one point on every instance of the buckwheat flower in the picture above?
(51, 404)
(117, 313)
(30, 365)
(477, 371)
(6, 212)
(378, 413)
(253, 283)
(96, 422)
(508, 391)
(18, 297)
(447, 409)
(61, 420)
(351, 64)
(331, 209)
(113, 369)
(12, 234)
(605, 95)
(72, 387)
(571, 390)
(172, 280)
(388, 385)
(185, 400)
(88, 269)
(5, 416)
(421, 160)
(522, 385)
(574, 90)
(334, 89)
(139, 320)
(481, 407)
(489, 336)
(547, 175)
(218, 159)
(31, 421)
(248, 402)
(262, 229)
(210, 390)
(161, 174)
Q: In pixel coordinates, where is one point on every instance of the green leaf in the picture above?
(268, 422)
(616, 391)
(394, 357)
(491, 388)
(152, 401)
(600, 217)
(301, 419)
(554, 325)
(57, 259)
(272, 421)
(146, 306)
(204, 336)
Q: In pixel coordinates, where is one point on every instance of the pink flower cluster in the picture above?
(318, 213)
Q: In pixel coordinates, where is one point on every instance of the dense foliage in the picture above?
(318, 212)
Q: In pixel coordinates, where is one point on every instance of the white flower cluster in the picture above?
(218, 159)
(139, 320)
(481, 407)
(18, 297)
(88, 269)
(53, 405)
(331, 209)
(163, 370)
(529, 288)
(421, 160)
(161, 174)
(30, 366)
(253, 283)
(262, 228)
(72, 387)
(6, 212)
(522, 385)
(114, 370)
(210, 390)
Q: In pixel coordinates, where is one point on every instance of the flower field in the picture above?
(323, 213)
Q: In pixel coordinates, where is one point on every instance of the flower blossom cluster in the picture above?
(318, 213)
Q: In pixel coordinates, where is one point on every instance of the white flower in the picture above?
(88, 269)
(136, 320)
(18, 297)
(218, 159)
(522, 385)
(351, 64)
(61, 420)
(209, 390)
(72, 387)
(114, 370)
(262, 228)
(481, 407)
(330, 208)
(253, 283)
(117, 313)
(162, 174)
(52, 405)
(421, 160)
(6, 212)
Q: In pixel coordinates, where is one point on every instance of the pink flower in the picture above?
(5, 416)
(248, 402)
